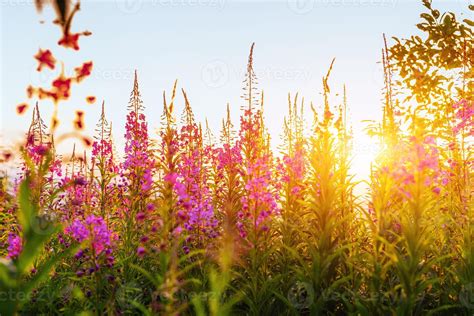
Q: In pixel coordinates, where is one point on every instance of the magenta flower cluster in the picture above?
(92, 230)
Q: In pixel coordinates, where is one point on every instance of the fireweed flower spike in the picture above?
(138, 167)
(97, 244)
(93, 230)
(193, 191)
(170, 220)
(259, 201)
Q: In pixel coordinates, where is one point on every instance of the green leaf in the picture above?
(26, 208)
(147, 275)
(35, 235)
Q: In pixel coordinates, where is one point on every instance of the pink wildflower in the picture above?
(14, 246)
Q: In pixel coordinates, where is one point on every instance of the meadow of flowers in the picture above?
(191, 222)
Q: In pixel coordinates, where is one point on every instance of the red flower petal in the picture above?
(45, 59)
(79, 122)
(30, 91)
(90, 99)
(70, 41)
(21, 108)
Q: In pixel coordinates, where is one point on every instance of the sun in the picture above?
(365, 151)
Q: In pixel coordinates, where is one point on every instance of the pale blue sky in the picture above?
(204, 44)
